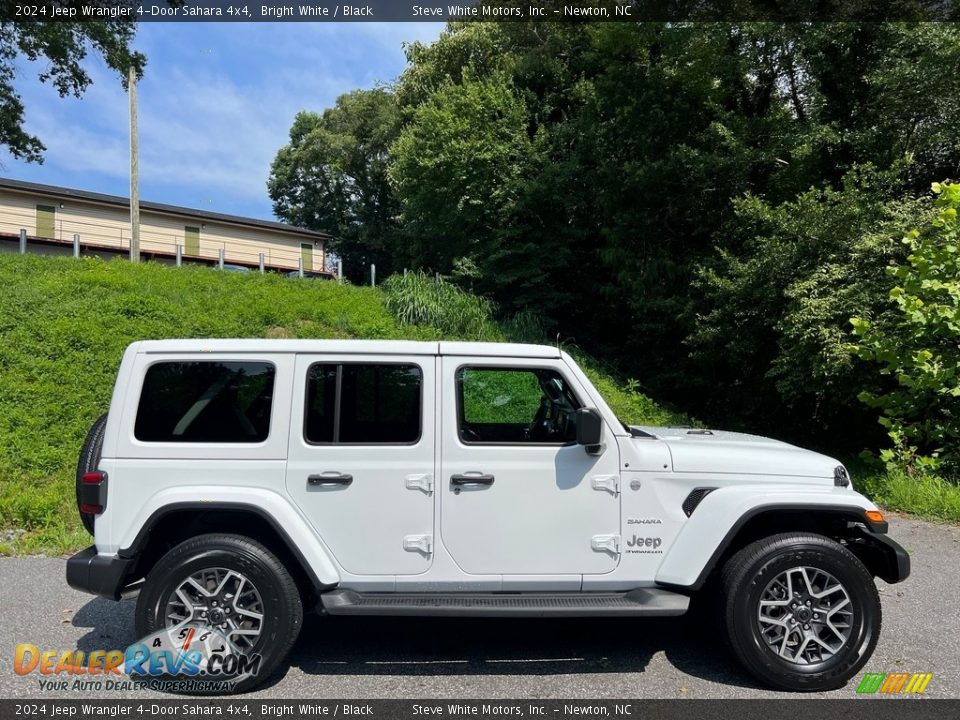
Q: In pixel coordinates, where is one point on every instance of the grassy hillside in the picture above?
(64, 324)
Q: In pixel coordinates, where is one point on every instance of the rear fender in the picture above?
(300, 538)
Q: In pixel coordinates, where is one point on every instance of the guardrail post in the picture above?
(220, 261)
(262, 263)
(340, 270)
(373, 275)
(179, 254)
(300, 266)
(76, 245)
(23, 241)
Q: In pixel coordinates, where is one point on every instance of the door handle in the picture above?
(472, 479)
(333, 478)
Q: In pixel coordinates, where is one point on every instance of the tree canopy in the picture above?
(59, 49)
(707, 203)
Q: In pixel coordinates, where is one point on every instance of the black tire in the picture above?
(747, 575)
(282, 606)
(88, 461)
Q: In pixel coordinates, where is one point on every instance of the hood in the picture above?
(697, 450)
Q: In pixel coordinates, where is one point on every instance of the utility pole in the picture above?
(134, 170)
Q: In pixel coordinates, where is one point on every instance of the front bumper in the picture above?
(103, 575)
(898, 561)
(882, 556)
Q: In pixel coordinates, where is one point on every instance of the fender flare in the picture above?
(854, 512)
(317, 564)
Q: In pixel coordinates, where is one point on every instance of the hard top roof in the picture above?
(348, 347)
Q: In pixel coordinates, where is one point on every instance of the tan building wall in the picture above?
(108, 226)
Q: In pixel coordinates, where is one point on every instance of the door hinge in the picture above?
(610, 483)
(605, 543)
(418, 543)
(423, 481)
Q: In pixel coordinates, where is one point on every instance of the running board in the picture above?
(639, 602)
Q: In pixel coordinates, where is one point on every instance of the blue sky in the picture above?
(215, 104)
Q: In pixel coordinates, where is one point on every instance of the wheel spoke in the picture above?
(805, 615)
(218, 598)
(199, 588)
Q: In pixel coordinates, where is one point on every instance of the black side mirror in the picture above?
(589, 429)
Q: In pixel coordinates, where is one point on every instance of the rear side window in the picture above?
(363, 404)
(206, 401)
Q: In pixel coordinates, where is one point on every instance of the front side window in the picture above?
(363, 404)
(515, 405)
(206, 401)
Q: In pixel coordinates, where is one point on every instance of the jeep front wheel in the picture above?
(231, 601)
(802, 612)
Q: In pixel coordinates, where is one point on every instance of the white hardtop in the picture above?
(347, 347)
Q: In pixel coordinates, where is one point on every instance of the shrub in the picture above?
(420, 299)
(917, 344)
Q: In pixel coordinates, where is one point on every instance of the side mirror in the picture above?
(589, 429)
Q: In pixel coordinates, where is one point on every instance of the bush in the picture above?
(420, 299)
(917, 344)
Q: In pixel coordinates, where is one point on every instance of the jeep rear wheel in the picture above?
(802, 612)
(232, 589)
(88, 461)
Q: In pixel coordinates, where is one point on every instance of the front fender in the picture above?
(721, 514)
(271, 506)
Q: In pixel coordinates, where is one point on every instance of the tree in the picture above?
(332, 176)
(917, 343)
(777, 327)
(64, 45)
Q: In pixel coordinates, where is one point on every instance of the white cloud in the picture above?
(214, 106)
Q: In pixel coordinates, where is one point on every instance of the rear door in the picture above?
(361, 458)
(518, 495)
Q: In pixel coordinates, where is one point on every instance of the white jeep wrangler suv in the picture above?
(235, 482)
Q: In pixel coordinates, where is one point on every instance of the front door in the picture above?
(518, 495)
(361, 459)
(306, 253)
(191, 241)
(46, 221)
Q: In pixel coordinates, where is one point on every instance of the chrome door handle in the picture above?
(330, 479)
(472, 479)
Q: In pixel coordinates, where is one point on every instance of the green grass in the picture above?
(927, 497)
(64, 324)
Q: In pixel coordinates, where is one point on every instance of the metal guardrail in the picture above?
(169, 246)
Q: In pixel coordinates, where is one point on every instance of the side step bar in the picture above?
(639, 602)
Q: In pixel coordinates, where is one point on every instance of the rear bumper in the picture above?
(103, 575)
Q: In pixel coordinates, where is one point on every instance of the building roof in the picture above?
(118, 201)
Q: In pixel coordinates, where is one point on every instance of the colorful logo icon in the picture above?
(894, 683)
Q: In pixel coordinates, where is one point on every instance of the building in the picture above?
(52, 216)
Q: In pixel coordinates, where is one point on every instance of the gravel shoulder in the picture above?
(419, 658)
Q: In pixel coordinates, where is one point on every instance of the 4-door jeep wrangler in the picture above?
(234, 483)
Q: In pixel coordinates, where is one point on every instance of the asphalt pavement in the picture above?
(422, 658)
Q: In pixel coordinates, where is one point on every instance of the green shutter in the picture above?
(191, 241)
(306, 252)
(46, 221)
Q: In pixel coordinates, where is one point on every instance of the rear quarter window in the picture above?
(206, 402)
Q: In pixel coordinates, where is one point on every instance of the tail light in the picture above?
(93, 492)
